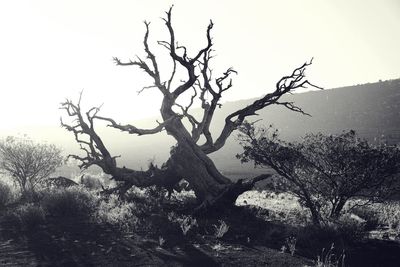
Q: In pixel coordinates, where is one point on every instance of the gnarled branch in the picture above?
(286, 84)
(154, 72)
(134, 130)
(97, 154)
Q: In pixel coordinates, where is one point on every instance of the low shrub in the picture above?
(389, 214)
(70, 202)
(275, 233)
(380, 214)
(118, 213)
(6, 195)
(312, 238)
(371, 217)
(31, 216)
(351, 227)
(26, 217)
(344, 232)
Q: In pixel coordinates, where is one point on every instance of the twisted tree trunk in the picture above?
(189, 160)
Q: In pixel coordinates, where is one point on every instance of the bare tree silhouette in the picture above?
(189, 157)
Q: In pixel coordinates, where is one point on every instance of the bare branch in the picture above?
(97, 154)
(172, 76)
(219, 81)
(188, 64)
(134, 130)
(293, 107)
(150, 55)
(185, 112)
(154, 72)
(209, 43)
(145, 88)
(286, 84)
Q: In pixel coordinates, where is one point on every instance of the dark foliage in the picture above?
(325, 171)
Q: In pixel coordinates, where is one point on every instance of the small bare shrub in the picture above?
(221, 230)
(329, 259)
(186, 222)
(291, 244)
(161, 241)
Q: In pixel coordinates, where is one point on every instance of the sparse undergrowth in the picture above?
(149, 214)
(69, 202)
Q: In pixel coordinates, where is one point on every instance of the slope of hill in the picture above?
(373, 110)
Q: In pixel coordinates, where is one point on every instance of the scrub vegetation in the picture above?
(326, 200)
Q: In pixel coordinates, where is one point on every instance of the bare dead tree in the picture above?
(189, 157)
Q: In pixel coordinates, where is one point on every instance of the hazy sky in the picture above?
(51, 50)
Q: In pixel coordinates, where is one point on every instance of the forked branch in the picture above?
(285, 85)
(97, 154)
(86, 136)
(134, 130)
(153, 71)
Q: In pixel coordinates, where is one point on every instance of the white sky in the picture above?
(51, 50)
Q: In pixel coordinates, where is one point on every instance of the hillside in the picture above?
(373, 110)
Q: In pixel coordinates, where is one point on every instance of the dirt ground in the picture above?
(249, 242)
(65, 244)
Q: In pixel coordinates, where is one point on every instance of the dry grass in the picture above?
(281, 206)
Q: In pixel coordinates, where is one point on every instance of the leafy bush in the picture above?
(28, 163)
(116, 212)
(325, 172)
(72, 201)
(6, 194)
